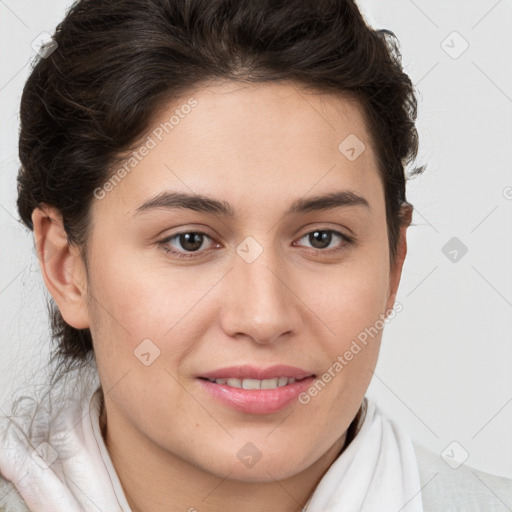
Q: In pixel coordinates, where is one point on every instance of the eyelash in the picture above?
(195, 254)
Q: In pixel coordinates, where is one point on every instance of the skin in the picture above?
(174, 447)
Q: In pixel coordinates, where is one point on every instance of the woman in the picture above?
(217, 194)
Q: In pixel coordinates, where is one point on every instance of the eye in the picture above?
(190, 241)
(321, 239)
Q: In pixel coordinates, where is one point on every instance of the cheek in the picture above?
(351, 304)
(128, 293)
(350, 298)
(133, 301)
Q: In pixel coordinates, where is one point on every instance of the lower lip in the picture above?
(257, 401)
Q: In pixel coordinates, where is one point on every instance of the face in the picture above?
(178, 293)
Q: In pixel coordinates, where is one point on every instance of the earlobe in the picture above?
(61, 266)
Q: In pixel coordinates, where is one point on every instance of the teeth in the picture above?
(270, 383)
(251, 384)
(277, 382)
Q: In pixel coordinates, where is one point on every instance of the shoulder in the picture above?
(460, 487)
(10, 500)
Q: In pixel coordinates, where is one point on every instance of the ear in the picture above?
(61, 266)
(396, 268)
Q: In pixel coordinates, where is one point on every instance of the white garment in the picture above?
(378, 471)
(64, 424)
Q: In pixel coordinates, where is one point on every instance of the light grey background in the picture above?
(445, 367)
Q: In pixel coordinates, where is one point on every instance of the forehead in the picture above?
(248, 141)
(283, 117)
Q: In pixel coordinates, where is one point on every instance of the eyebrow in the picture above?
(202, 203)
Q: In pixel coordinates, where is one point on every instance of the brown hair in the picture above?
(117, 62)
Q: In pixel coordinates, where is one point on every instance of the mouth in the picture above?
(255, 390)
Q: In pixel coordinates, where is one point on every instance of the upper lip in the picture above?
(252, 372)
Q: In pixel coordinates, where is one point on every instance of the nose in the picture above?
(259, 300)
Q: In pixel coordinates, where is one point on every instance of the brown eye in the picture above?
(321, 239)
(186, 243)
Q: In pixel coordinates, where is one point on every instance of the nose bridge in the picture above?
(261, 304)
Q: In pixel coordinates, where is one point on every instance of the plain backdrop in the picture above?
(445, 366)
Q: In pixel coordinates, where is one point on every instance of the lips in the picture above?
(253, 390)
(256, 401)
(252, 372)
